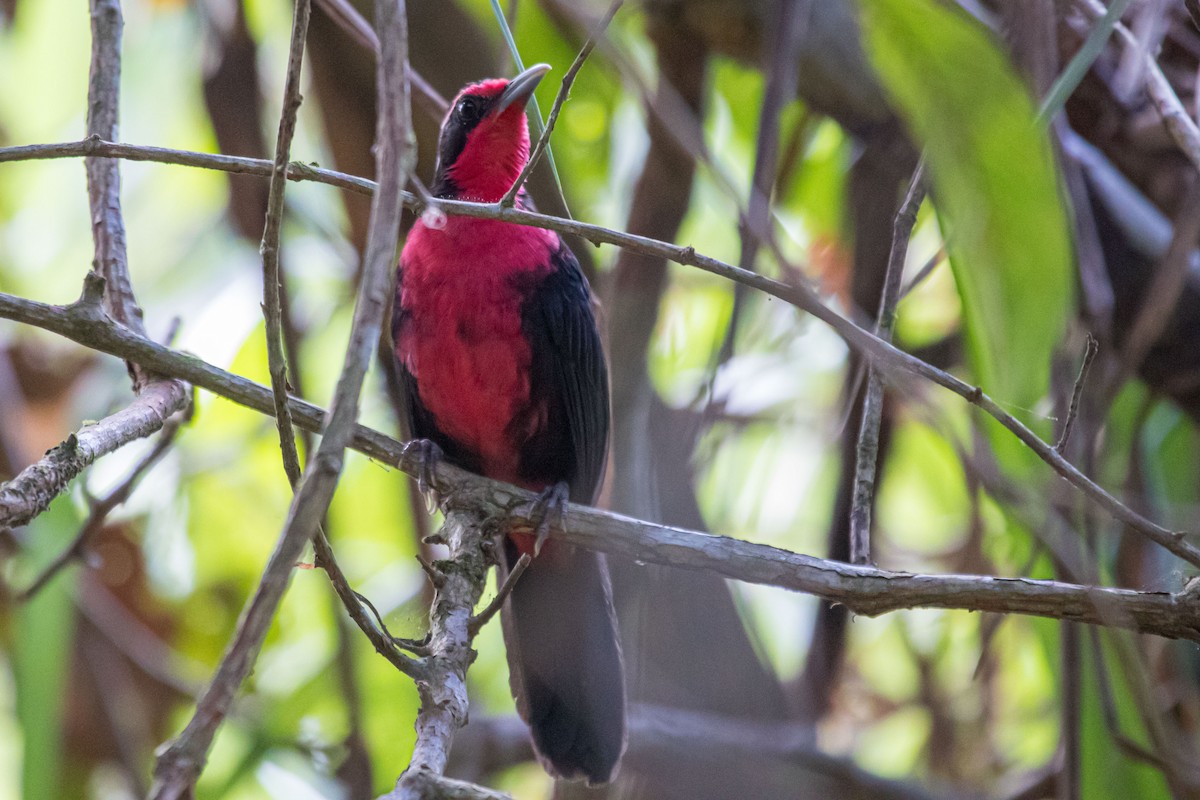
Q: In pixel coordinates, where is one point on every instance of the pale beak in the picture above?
(520, 88)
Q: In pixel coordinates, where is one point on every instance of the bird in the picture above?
(499, 359)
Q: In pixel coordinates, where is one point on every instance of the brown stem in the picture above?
(180, 763)
(867, 452)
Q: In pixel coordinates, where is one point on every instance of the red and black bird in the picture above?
(501, 364)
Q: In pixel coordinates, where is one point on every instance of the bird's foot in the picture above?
(548, 511)
(424, 455)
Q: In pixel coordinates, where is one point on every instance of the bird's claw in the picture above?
(548, 511)
(426, 456)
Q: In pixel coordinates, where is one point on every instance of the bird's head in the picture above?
(484, 143)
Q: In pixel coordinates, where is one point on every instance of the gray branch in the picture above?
(863, 589)
(31, 491)
(180, 763)
(443, 688)
(883, 356)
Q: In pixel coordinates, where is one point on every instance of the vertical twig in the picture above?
(282, 354)
(104, 175)
(868, 434)
(181, 762)
(111, 261)
(443, 689)
(272, 279)
(565, 89)
(1089, 355)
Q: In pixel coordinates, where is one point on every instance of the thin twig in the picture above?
(755, 225)
(923, 273)
(563, 90)
(867, 452)
(100, 511)
(354, 603)
(103, 177)
(180, 763)
(30, 492)
(883, 355)
(435, 575)
(272, 279)
(483, 617)
(1089, 355)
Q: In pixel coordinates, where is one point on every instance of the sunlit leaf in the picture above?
(995, 186)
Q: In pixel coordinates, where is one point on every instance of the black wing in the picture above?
(568, 370)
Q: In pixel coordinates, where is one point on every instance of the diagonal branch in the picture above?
(180, 763)
(863, 589)
(883, 356)
(1174, 116)
(101, 509)
(31, 491)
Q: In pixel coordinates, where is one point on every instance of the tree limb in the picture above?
(883, 356)
(443, 689)
(31, 491)
(864, 590)
(180, 763)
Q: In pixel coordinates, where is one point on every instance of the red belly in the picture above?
(462, 341)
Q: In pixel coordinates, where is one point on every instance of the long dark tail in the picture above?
(565, 661)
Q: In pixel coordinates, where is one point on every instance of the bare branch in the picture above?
(867, 452)
(427, 786)
(1089, 355)
(272, 280)
(31, 491)
(882, 355)
(435, 575)
(1182, 127)
(102, 508)
(238, 165)
(356, 607)
(444, 689)
(181, 762)
(104, 179)
(349, 20)
(563, 91)
(863, 589)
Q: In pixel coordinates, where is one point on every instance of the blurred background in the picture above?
(776, 135)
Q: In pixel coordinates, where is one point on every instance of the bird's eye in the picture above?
(468, 109)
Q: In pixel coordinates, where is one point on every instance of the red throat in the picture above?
(494, 155)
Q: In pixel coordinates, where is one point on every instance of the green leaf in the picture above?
(996, 189)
